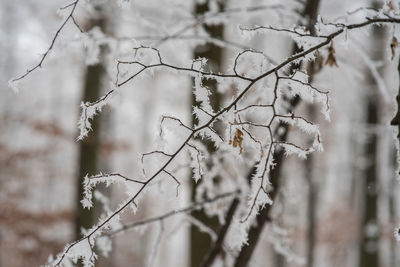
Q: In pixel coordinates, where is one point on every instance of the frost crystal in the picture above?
(104, 245)
(292, 149)
(89, 110)
(278, 238)
(89, 182)
(83, 250)
(237, 235)
(197, 157)
(14, 85)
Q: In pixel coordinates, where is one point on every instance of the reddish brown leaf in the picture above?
(237, 140)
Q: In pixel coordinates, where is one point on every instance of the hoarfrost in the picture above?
(82, 250)
(89, 110)
(278, 238)
(237, 235)
(104, 244)
(14, 85)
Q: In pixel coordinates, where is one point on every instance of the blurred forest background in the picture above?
(337, 208)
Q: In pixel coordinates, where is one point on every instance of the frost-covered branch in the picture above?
(190, 70)
(293, 59)
(297, 31)
(72, 6)
(219, 243)
(244, 130)
(212, 17)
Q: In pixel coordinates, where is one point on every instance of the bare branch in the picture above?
(69, 17)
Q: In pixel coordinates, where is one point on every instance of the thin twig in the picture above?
(69, 17)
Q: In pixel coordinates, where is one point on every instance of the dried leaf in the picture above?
(391, 6)
(393, 45)
(237, 140)
(331, 60)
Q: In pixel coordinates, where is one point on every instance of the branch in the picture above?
(290, 60)
(105, 176)
(218, 245)
(255, 231)
(193, 206)
(177, 68)
(202, 19)
(274, 70)
(69, 17)
(297, 31)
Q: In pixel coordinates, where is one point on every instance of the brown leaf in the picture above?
(391, 6)
(237, 140)
(393, 45)
(331, 60)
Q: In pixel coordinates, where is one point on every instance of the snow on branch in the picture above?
(91, 181)
(149, 63)
(246, 134)
(279, 239)
(89, 110)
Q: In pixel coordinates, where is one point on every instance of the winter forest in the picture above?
(259, 133)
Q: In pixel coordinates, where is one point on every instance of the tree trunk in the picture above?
(311, 200)
(369, 254)
(369, 241)
(200, 242)
(90, 146)
(395, 122)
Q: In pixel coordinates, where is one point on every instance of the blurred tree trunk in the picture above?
(312, 190)
(312, 69)
(369, 240)
(395, 122)
(392, 196)
(201, 242)
(94, 150)
(89, 148)
(369, 244)
(396, 119)
(9, 27)
(310, 12)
